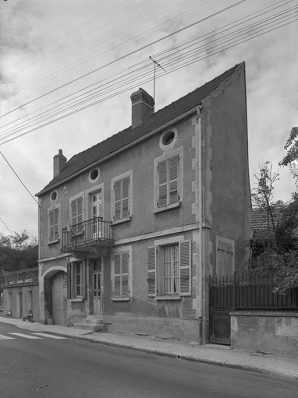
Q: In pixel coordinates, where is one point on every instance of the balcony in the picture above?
(92, 237)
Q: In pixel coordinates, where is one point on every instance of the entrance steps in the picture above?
(93, 323)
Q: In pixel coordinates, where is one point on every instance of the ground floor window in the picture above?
(76, 283)
(169, 269)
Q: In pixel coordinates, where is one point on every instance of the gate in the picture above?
(221, 303)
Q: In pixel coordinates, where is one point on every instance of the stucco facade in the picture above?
(171, 196)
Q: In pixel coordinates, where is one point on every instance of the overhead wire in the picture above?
(186, 56)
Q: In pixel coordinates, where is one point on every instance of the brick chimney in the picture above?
(59, 162)
(142, 107)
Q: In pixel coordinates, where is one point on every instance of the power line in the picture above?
(6, 226)
(19, 178)
(124, 56)
(171, 62)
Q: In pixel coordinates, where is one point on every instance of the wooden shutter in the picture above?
(185, 267)
(224, 259)
(69, 281)
(151, 277)
(79, 209)
(125, 197)
(51, 224)
(162, 184)
(117, 275)
(84, 284)
(173, 180)
(117, 200)
(73, 212)
(124, 275)
(55, 224)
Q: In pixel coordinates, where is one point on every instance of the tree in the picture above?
(279, 243)
(291, 158)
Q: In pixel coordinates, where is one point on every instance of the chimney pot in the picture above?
(142, 107)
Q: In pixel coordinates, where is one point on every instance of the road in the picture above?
(40, 365)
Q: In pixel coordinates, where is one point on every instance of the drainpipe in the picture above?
(200, 309)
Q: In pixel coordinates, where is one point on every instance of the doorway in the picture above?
(97, 283)
(59, 298)
(19, 305)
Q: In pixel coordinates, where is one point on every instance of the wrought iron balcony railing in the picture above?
(87, 234)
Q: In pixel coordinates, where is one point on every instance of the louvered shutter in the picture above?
(185, 267)
(55, 224)
(69, 281)
(173, 179)
(162, 184)
(80, 210)
(73, 212)
(84, 287)
(151, 277)
(117, 200)
(125, 198)
(117, 275)
(51, 223)
(124, 275)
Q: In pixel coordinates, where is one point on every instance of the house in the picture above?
(131, 228)
(21, 293)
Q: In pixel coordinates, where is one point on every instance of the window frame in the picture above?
(123, 254)
(156, 269)
(54, 226)
(78, 230)
(114, 182)
(166, 159)
(72, 276)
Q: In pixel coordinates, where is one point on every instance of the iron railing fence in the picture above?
(86, 232)
(249, 291)
(23, 276)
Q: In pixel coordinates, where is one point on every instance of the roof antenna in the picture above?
(155, 63)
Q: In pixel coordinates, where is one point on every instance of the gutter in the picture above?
(162, 127)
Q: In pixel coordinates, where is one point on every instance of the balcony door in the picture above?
(97, 284)
(96, 210)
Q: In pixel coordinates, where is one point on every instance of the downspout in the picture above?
(200, 309)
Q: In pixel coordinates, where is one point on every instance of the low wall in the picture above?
(269, 332)
(168, 328)
(19, 299)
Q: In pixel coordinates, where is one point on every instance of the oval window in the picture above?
(94, 174)
(168, 138)
(54, 195)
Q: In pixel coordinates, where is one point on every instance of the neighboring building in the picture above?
(21, 293)
(131, 228)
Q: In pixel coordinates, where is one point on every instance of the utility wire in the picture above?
(125, 56)
(187, 55)
(19, 178)
(6, 226)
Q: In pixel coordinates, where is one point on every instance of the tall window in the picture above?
(76, 280)
(53, 225)
(168, 182)
(169, 269)
(77, 215)
(121, 288)
(121, 197)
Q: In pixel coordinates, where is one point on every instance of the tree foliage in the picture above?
(279, 243)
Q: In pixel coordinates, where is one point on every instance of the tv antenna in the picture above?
(155, 63)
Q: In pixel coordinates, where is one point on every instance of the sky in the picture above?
(53, 52)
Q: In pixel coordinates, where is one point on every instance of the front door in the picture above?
(97, 282)
(59, 298)
(96, 211)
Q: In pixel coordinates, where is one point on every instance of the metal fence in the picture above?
(252, 292)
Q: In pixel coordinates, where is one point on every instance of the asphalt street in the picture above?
(40, 365)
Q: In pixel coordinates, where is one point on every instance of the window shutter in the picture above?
(55, 223)
(69, 289)
(162, 184)
(117, 275)
(125, 197)
(151, 277)
(117, 200)
(51, 222)
(80, 210)
(185, 267)
(73, 212)
(84, 287)
(173, 166)
(124, 274)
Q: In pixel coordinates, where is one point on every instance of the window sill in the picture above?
(120, 299)
(52, 242)
(77, 300)
(168, 207)
(168, 297)
(121, 221)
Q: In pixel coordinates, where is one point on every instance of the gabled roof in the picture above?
(260, 221)
(120, 140)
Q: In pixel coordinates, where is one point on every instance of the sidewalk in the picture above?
(212, 354)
